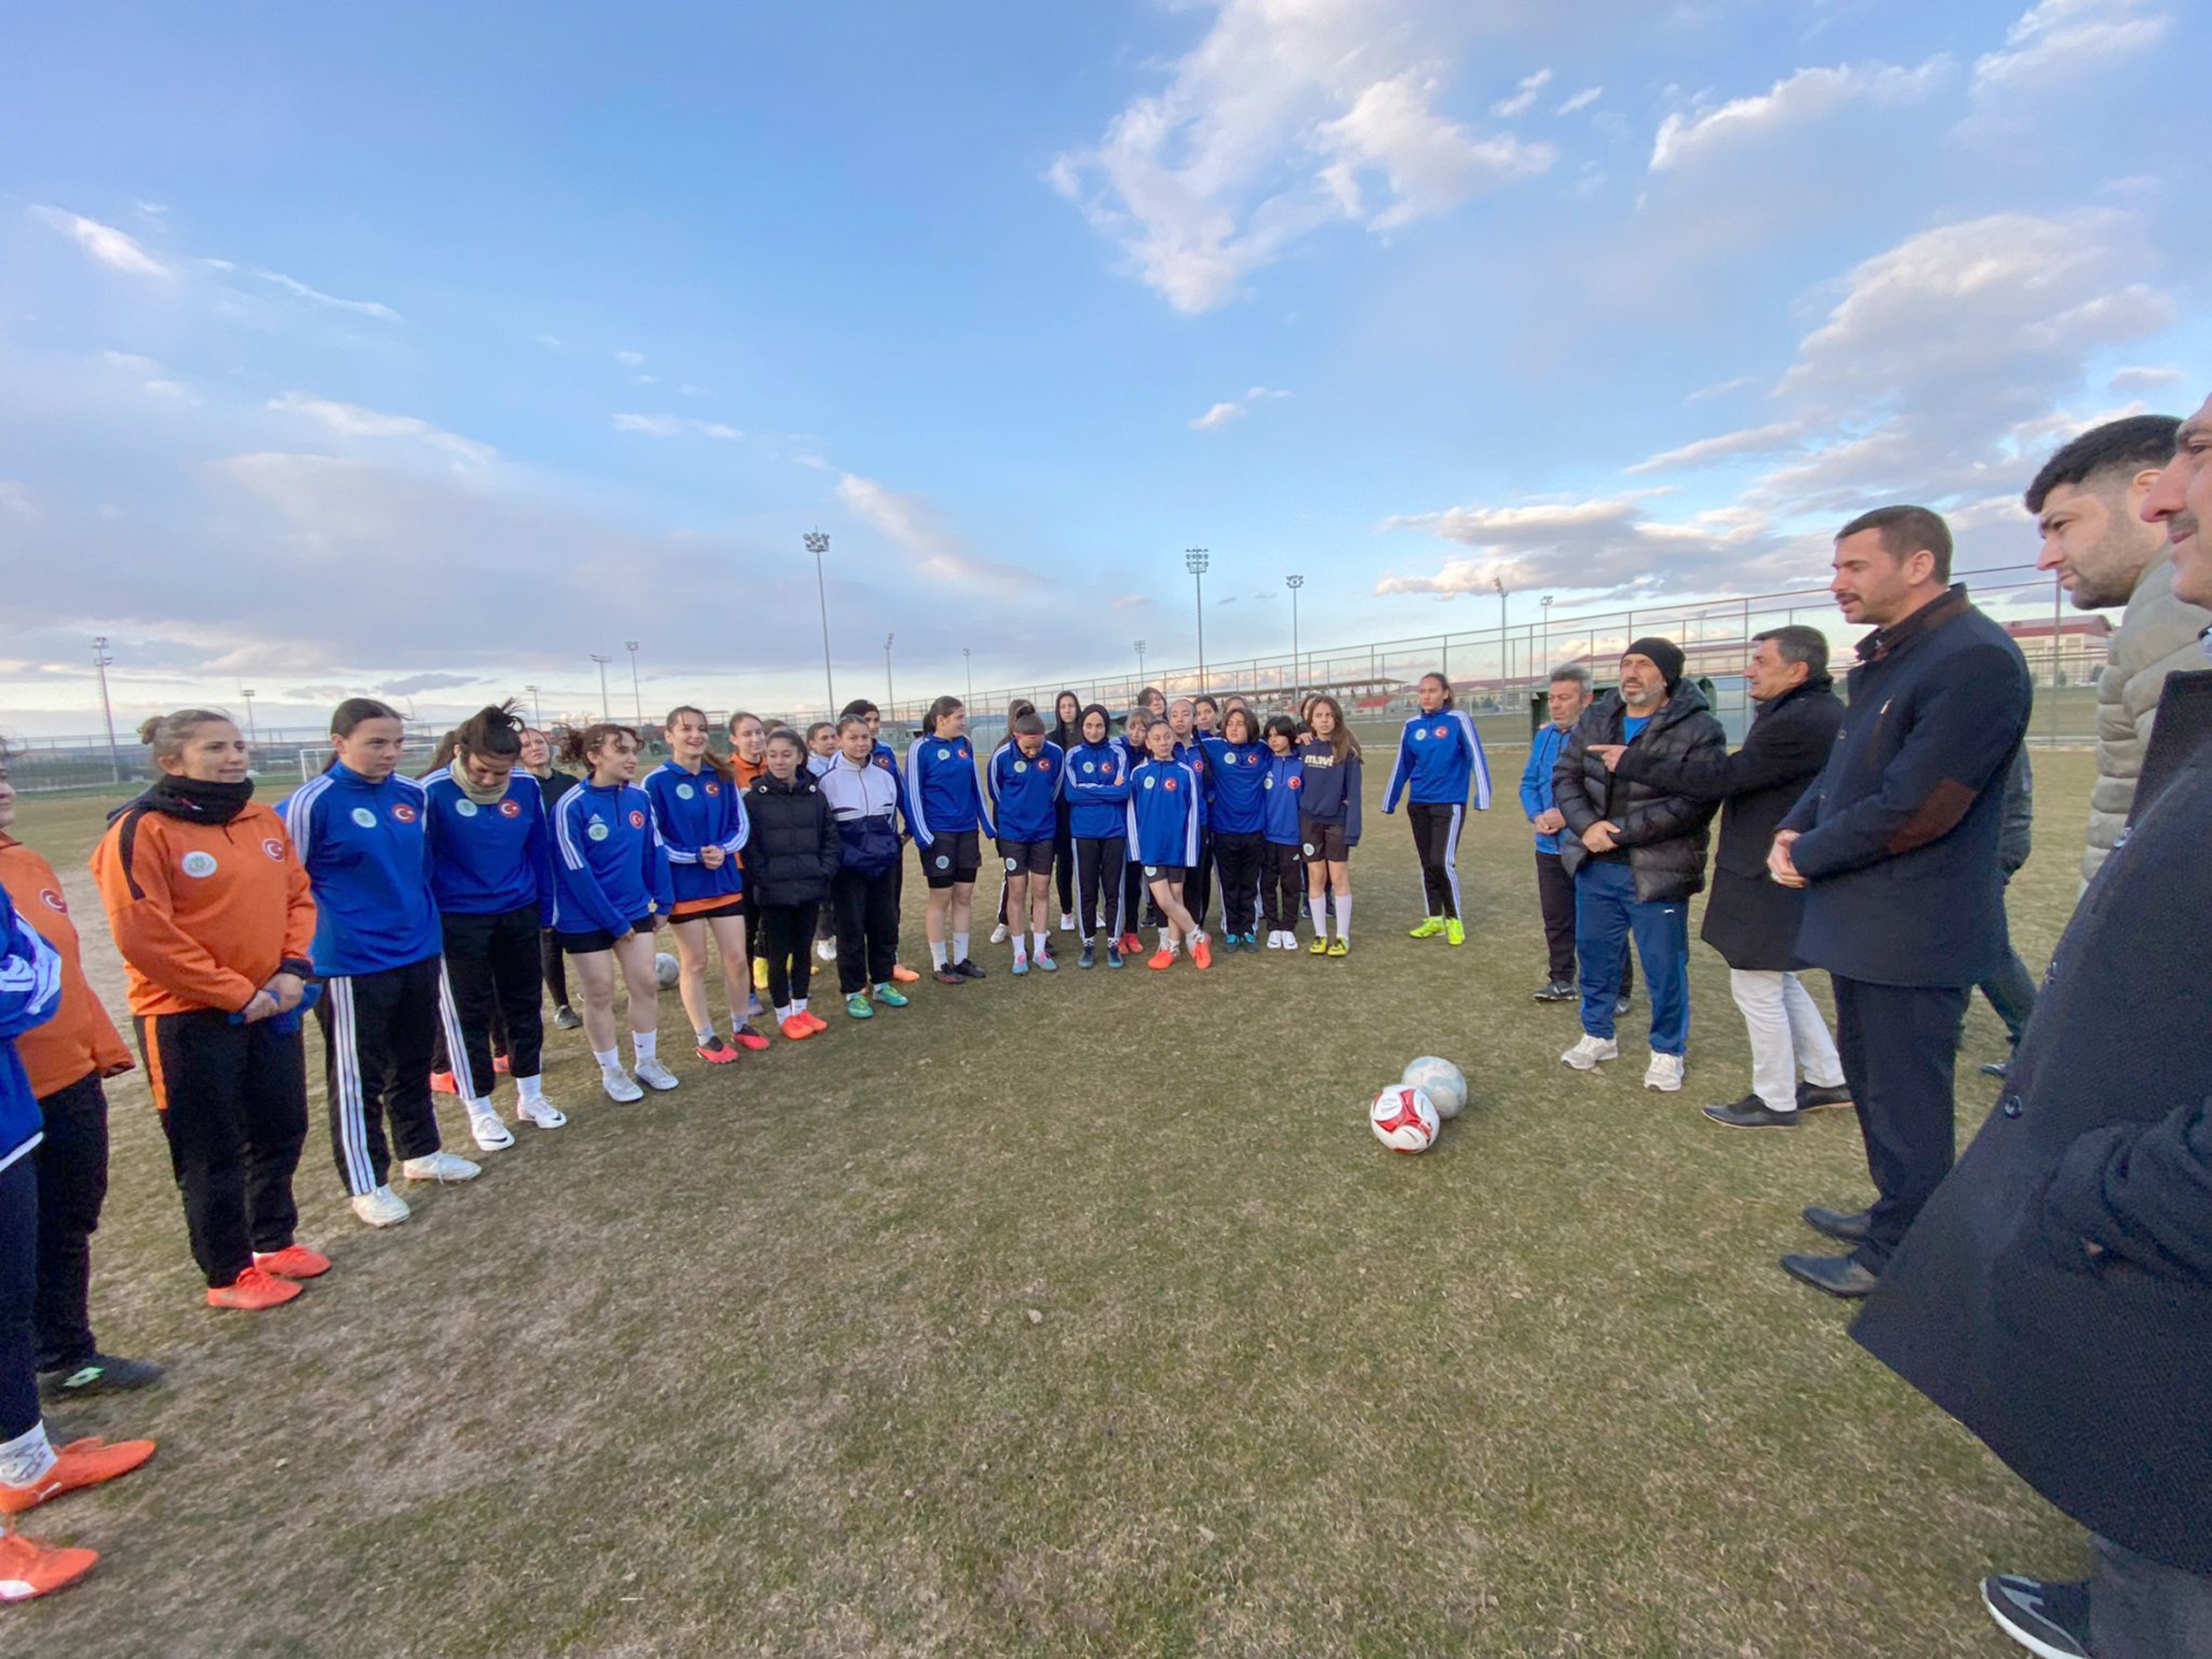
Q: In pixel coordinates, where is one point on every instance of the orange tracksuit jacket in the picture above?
(81, 1038)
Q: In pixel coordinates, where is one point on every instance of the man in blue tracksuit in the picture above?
(1025, 776)
(1440, 760)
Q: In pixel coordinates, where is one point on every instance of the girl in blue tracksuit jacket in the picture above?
(1024, 779)
(700, 813)
(863, 802)
(491, 873)
(1328, 822)
(944, 803)
(1236, 807)
(361, 835)
(609, 876)
(1097, 794)
(1167, 824)
(1136, 906)
(1282, 867)
(1440, 760)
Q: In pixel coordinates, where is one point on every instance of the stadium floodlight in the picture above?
(818, 544)
(1295, 583)
(537, 711)
(1139, 661)
(101, 661)
(603, 662)
(1195, 560)
(888, 698)
(636, 696)
(968, 657)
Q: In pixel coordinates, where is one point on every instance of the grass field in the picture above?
(1079, 1315)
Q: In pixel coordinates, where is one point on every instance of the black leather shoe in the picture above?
(1751, 1112)
(1996, 1069)
(1809, 1096)
(1558, 991)
(1838, 1275)
(1847, 1229)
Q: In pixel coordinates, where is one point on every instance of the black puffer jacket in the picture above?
(1662, 833)
(794, 849)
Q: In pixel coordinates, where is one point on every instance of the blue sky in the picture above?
(426, 349)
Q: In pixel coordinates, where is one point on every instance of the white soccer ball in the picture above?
(1444, 1083)
(665, 970)
(1404, 1119)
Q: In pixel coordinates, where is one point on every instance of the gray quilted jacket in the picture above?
(2157, 635)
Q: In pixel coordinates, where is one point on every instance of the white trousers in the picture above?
(1788, 1036)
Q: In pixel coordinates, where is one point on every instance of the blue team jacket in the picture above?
(1096, 783)
(30, 991)
(1285, 783)
(366, 851)
(942, 795)
(1166, 813)
(886, 757)
(1439, 756)
(1025, 792)
(488, 860)
(1536, 791)
(608, 866)
(1236, 786)
(693, 810)
(1328, 792)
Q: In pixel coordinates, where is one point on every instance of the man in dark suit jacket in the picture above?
(1896, 847)
(1752, 919)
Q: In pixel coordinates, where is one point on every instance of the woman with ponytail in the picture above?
(491, 870)
(700, 813)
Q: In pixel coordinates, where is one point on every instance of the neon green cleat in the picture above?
(1454, 934)
(858, 1006)
(1320, 946)
(891, 997)
(1429, 928)
(1340, 947)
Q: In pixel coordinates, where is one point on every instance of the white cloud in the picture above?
(2058, 42)
(299, 289)
(716, 429)
(1796, 100)
(350, 420)
(687, 390)
(1721, 388)
(644, 379)
(2144, 380)
(1608, 545)
(1220, 416)
(1287, 117)
(1581, 101)
(629, 359)
(1522, 102)
(152, 210)
(1752, 441)
(550, 341)
(917, 525)
(674, 425)
(131, 361)
(110, 246)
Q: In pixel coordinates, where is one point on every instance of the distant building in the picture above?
(2078, 650)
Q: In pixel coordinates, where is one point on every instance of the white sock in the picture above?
(482, 1107)
(705, 1033)
(609, 1061)
(531, 1088)
(1037, 944)
(783, 1012)
(25, 1460)
(799, 1003)
(1021, 949)
(644, 1042)
(960, 947)
(936, 952)
(1344, 916)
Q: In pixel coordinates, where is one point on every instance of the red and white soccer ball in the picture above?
(1404, 1119)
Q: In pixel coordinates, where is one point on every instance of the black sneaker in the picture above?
(102, 1374)
(1557, 991)
(1751, 1112)
(2050, 1619)
(965, 967)
(1809, 1097)
(946, 973)
(566, 1018)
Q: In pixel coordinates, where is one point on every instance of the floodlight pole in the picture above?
(890, 700)
(1194, 561)
(253, 738)
(1140, 665)
(636, 696)
(100, 661)
(603, 662)
(537, 714)
(968, 657)
(1505, 655)
(1295, 583)
(818, 544)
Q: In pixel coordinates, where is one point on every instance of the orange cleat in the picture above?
(813, 1019)
(28, 1568)
(79, 1463)
(1202, 954)
(746, 1037)
(442, 1083)
(1162, 960)
(252, 1291)
(796, 1029)
(293, 1261)
(901, 974)
(714, 1051)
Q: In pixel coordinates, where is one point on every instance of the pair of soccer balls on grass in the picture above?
(1408, 1115)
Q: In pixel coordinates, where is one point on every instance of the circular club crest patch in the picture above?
(1308, 849)
(1089, 769)
(274, 849)
(1152, 870)
(1421, 735)
(465, 808)
(404, 813)
(1022, 765)
(1148, 782)
(198, 863)
(637, 818)
(1013, 864)
(366, 818)
(510, 809)
(597, 831)
(53, 901)
(683, 792)
(944, 754)
(944, 861)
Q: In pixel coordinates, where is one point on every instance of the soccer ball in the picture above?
(665, 970)
(1403, 1119)
(1444, 1083)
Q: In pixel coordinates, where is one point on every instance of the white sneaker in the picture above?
(1281, 940)
(541, 1112)
(1067, 921)
(1585, 1055)
(653, 1074)
(825, 950)
(998, 934)
(491, 1135)
(1664, 1072)
(382, 1207)
(441, 1166)
(619, 1084)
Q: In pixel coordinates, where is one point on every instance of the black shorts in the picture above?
(1165, 872)
(735, 905)
(952, 859)
(1035, 857)
(598, 938)
(1323, 841)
